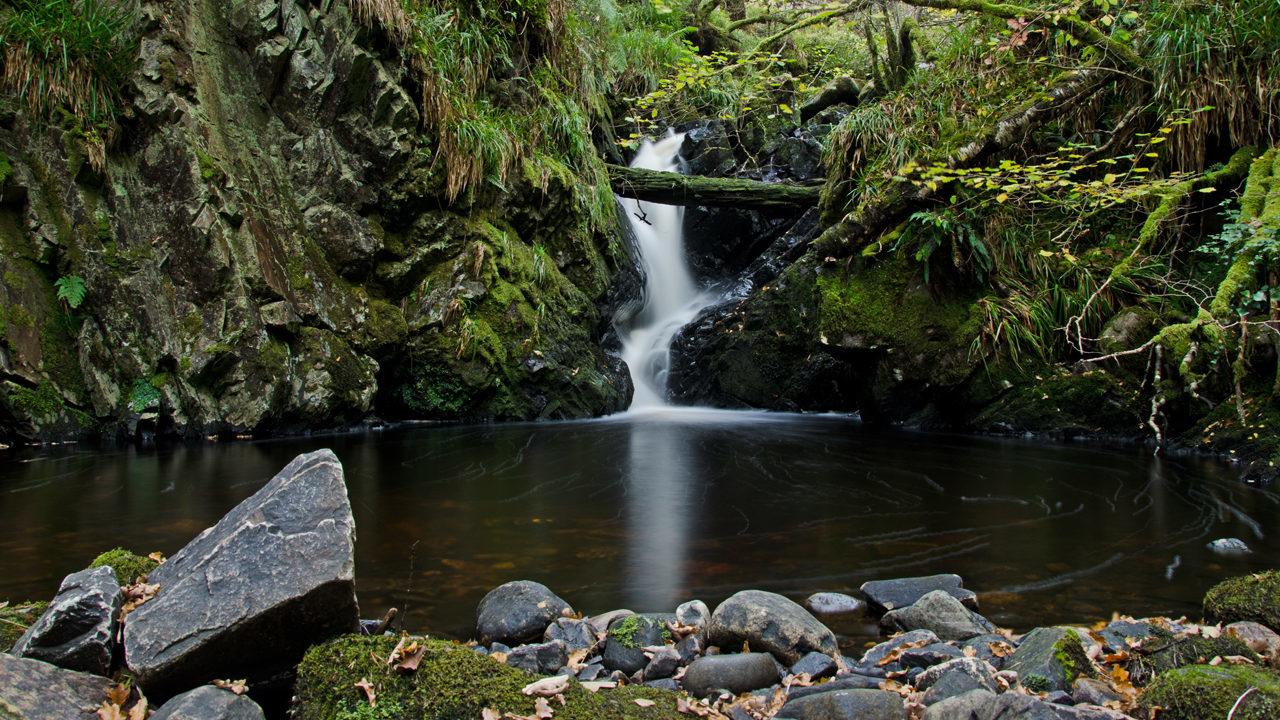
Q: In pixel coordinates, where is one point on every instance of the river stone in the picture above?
(870, 664)
(541, 658)
(248, 596)
(1048, 659)
(940, 612)
(929, 655)
(78, 629)
(600, 623)
(1260, 638)
(768, 621)
(518, 612)
(209, 703)
(983, 647)
(628, 637)
(1086, 712)
(663, 664)
(972, 705)
(815, 665)
(1229, 546)
(694, 613)
(689, 647)
(575, 634)
(832, 603)
(738, 673)
(886, 595)
(846, 705)
(34, 690)
(954, 677)
(852, 681)
(1091, 691)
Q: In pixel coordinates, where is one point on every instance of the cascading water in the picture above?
(671, 297)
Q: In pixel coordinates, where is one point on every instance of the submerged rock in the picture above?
(209, 703)
(886, 595)
(518, 612)
(942, 613)
(78, 629)
(770, 622)
(34, 690)
(249, 595)
(737, 673)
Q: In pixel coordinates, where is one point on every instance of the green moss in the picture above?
(1253, 597)
(1164, 652)
(1202, 692)
(58, 354)
(127, 566)
(15, 618)
(436, 393)
(42, 403)
(6, 170)
(452, 683)
(209, 168)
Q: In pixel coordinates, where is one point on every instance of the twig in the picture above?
(1239, 700)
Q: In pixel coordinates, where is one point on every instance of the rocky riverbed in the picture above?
(258, 617)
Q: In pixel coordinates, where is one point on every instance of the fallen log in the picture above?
(671, 188)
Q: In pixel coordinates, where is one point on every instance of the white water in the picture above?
(671, 297)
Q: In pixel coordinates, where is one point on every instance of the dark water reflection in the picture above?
(645, 512)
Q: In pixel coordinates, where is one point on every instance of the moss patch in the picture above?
(451, 683)
(1252, 597)
(127, 566)
(1164, 652)
(15, 618)
(1202, 692)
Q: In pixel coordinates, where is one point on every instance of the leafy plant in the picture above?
(143, 395)
(71, 290)
(928, 231)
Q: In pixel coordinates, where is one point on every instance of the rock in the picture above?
(842, 90)
(991, 648)
(886, 595)
(209, 703)
(953, 678)
(591, 672)
(707, 149)
(770, 622)
(1059, 697)
(1048, 659)
(575, 634)
(846, 705)
(1165, 651)
(972, 705)
(1204, 692)
(1253, 597)
(1091, 691)
(929, 655)
(831, 603)
(663, 684)
(663, 664)
(600, 623)
(1015, 706)
(1118, 633)
(624, 646)
(816, 665)
(1260, 638)
(942, 613)
(541, 658)
(248, 596)
(1087, 712)
(738, 673)
(694, 613)
(870, 664)
(690, 647)
(35, 690)
(499, 648)
(1229, 546)
(518, 612)
(78, 629)
(852, 681)
(15, 618)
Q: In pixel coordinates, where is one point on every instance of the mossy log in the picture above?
(671, 188)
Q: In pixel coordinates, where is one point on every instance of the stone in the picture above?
(575, 634)
(870, 664)
(540, 658)
(885, 595)
(663, 684)
(1117, 634)
(1260, 638)
(600, 623)
(1059, 697)
(78, 629)
(1048, 659)
(1086, 712)
(991, 648)
(816, 665)
(249, 595)
(972, 705)
(627, 638)
(518, 612)
(971, 667)
(770, 622)
(663, 664)
(689, 647)
(738, 673)
(35, 690)
(1229, 546)
(929, 655)
(852, 681)
(846, 705)
(832, 603)
(694, 613)
(209, 703)
(940, 612)
(1091, 691)
(591, 672)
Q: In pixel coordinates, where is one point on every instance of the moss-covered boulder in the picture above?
(452, 682)
(15, 618)
(1049, 659)
(127, 566)
(1204, 692)
(1164, 652)
(1253, 597)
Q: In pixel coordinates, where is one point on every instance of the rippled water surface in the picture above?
(644, 511)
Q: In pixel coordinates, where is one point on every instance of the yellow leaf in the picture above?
(1046, 253)
(785, 108)
(1109, 178)
(1002, 197)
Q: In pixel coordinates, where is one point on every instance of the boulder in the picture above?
(663, 664)
(1253, 597)
(844, 682)
(886, 595)
(1087, 712)
(209, 703)
(694, 613)
(953, 678)
(248, 596)
(518, 612)
(78, 629)
(1202, 692)
(846, 705)
(542, 658)
(942, 613)
(832, 603)
(738, 673)
(991, 648)
(627, 639)
(929, 655)
(1049, 658)
(1118, 633)
(1260, 638)
(34, 690)
(770, 622)
(575, 634)
(972, 705)
(1091, 691)
(871, 662)
(600, 623)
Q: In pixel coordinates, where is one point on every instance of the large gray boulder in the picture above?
(886, 595)
(209, 703)
(248, 596)
(737, 673)
(518, 612)
(34, 690)
(847, 705)
(770, 622)
(940, 612)
(78, 629)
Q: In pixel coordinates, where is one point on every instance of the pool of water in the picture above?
(647, 510)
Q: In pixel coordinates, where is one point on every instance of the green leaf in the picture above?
(71, 290)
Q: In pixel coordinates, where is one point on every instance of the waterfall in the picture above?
(671, 297)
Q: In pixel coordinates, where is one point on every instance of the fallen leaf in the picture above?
(110, 711)
(895, 653)
(594, 685)
(490, 714)
(118, 694)
(158, 557)
(577, 657)
(137, 594)
(642, 702)
(411, 658)
(367, 688)
(139, 710)
(239, 687)
(542, 709)
(548, 686)
(1000, 649)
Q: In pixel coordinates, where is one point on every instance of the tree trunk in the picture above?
(671, 188)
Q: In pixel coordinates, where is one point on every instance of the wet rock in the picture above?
(831, 603)
(499, 648)
(78, 629)
(600, 623)
(815, 665)
(843, 682)
(248, 596)
(885, 595)
(1260, 638)
(942, 613)
(1048, 659)
(624, 646)
(663, 664)
(209, 703)
(1118, 634)
(738, 673)
(694, 613)
(953, 678)
(846, 705)
(1229, 546)
(870, 664)
(34, 690)
(517, 612)
(1091, 691)
(929, 655)
(771, 622)
(707, 149)
(540, 658)
(575, 634)
(799, 156)
(842, 90)
(991, 648)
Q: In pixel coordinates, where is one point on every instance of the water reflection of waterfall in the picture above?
(660, 474)
(671, 297)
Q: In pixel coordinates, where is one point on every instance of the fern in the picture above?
(71, 290)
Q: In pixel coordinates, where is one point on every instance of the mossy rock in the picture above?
(127, 566)
(1253, 597)
(1164, 652)
(452, 682)
(1204, 692)
(15, 618)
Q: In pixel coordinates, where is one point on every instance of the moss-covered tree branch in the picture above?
(771, 42)
(671, 188)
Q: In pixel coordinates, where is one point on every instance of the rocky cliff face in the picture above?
(269, 248)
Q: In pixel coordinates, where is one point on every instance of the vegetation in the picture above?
(128, 567)
(1251, 597)
(1203, 692)
(15, 618)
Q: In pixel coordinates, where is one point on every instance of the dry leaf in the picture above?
(577, 657)
(118, 694)
(158, 557)
(110, 711)
(135, 595)
(498, 657)
(367, 688)
(411, 658)
(594, 685)
(548, 686)
(490, 714)
(395, 651)
(642, 702)
(1000, 649)
(238, 687)
(542, 709)
(139, 710)
(895, 653)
